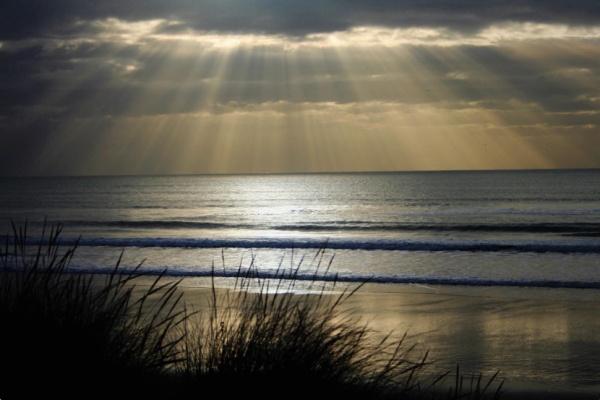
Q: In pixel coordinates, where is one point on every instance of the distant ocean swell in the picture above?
(585, 229)
(553, 246)
(414, 212)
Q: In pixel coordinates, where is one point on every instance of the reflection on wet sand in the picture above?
(531, 341)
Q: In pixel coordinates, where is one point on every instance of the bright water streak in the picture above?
(539, 228)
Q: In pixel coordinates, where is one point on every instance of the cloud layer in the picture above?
(108, 87)
(30, 19)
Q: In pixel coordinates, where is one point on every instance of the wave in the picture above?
(502, 211)
(552, 246)
(358, 278)
(164, 224)
(583, 229)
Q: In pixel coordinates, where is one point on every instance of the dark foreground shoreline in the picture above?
(543, 348)
(162, 337)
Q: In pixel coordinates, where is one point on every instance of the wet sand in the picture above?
(543, 347)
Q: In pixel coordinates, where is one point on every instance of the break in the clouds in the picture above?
(294, 86)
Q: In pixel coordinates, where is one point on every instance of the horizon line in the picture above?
(298, 173)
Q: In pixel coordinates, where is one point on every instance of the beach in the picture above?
(490, 270)
(393, 199)
(542, 348)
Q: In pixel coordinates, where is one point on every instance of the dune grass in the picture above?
(280, 341)
(68, 333)
(95, 336)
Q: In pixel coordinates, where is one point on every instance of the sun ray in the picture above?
(365, 98)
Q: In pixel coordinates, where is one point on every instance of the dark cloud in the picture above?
(32, 18)
(63, 62)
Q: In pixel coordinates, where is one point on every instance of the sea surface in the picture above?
(513, 255)
(483, 230)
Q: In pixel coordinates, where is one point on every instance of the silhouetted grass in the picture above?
(70, 333)
(90, 336)
(270, 338)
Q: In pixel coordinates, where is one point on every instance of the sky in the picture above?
(285, 86)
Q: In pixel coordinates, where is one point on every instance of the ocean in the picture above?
(459, 231)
